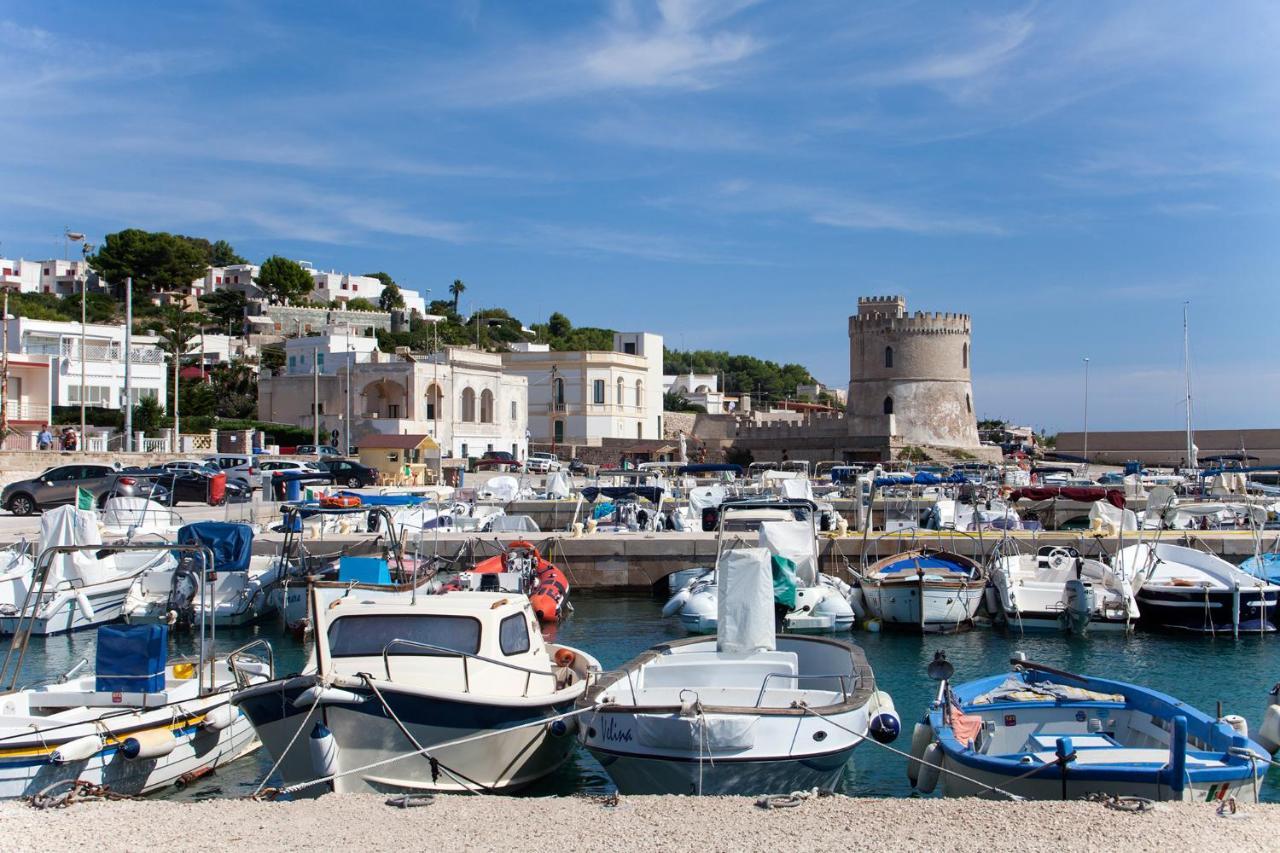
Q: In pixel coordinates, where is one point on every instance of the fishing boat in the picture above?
(139, 723)
(1182, 589)
(745, 712)
(421, 693)
(240, 590)
(86, 581)
(924, 589)
(522, 569)
(1057, 589)
(1040, 733)
(787, 528)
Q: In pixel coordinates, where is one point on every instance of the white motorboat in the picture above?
(925, 589)
(131, 518)
(82, 588)
(787, 529)
(746, 712)
(405, 693)
(1059, 590)
(1182, 589)
(240, 591)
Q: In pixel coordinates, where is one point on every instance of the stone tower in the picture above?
(909, 375)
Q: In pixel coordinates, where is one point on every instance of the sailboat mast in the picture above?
(1186, 370)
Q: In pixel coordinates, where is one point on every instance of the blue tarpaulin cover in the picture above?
(231, 543)
(920, 478)
(364, 570)
(131, 658)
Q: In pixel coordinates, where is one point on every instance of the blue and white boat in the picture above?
(1040, 733)
(934, 592)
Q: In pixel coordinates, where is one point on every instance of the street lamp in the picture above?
(84, 283)
(1086, 418)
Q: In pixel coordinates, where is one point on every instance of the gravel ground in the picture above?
(635, 823)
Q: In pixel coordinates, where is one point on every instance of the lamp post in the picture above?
(84, 283)
(128, 364)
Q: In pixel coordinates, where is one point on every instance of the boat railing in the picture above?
(445, 651)
(843, 676)
(233, 661)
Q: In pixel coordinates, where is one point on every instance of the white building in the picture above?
(701, 389)
(20, 276)
(461, 397)
(62, 278)
(585, 397)
(328, 351)
(104, 357)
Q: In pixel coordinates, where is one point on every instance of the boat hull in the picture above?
(364, 733)
(64, 611)
(946, 608)
(637, 774)
(1201, 611)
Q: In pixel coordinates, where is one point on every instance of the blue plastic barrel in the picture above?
(292, 489)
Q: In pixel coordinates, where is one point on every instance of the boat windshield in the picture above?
(368, 635)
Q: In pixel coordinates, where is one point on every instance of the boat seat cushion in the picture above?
(697, 670)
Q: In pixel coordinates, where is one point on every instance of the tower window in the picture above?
(964, 357)
(968, 404)
(888, 405)
(888, 356)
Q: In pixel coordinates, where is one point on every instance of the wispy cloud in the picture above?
(595, 240)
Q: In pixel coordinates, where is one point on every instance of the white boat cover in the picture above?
(66, 525)
(514, 524)
(559, 485)
(701, 497)
(744, 606)
(797, 488)
(137, 515)
(793, 540)
(1112, 517)
(503, 488)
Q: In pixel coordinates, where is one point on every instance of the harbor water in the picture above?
(617, 626)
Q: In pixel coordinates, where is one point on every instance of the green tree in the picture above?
(456, 289)
(676, 402)
(237, 390)
(148, 417)
(178, 331)
(157, 261)
(360, 304)
(391, 298)
(221, 254)
(225, 308)
(100, 308)
(558, 325)
(284, 281)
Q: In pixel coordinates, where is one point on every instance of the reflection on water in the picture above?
(616, 627)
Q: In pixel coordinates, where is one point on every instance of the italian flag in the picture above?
(84, 498)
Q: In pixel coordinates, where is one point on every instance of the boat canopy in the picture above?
(708, 468)
(653, 494)
(920, 478)
(1115, 497)
(230, 542)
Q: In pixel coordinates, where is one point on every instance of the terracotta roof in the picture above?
(392, 442)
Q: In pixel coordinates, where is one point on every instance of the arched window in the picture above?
(434, 399)
(888, 405)
(557, 393)
(639, 394)
(468, 405)
(888, 356)
(486, 406)
(621, 386)
(964, 357)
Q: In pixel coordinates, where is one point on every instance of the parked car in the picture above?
(190, 485)
(348, 473)
(577, 466)
(58, 485)
(543, 463)
(267, 467)
(498, 460)
(239, 467)
(324, 451)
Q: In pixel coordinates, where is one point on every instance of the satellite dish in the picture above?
(940, 669)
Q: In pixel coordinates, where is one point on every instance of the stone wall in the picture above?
(1169, 447)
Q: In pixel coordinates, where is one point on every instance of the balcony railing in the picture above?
(114, 352)
(19, 410)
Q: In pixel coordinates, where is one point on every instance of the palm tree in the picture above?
(176, 336)
(456, 289)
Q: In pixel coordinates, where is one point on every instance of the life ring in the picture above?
(565, 658)
(339, 502)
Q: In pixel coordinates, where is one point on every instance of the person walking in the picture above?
(44, 438)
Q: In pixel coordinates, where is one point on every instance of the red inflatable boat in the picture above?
(546, 586)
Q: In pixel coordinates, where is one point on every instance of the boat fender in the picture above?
(1238, 723)
(921, 737)
(930, 769)
(328, 696)
(155, 743)
(674, 606)
(324, 750)
(858, 603)
(1269, 732)
(220, 718)
(565, 658)
(872, 625)
(82, 601)
(77, 750)
(885, 727)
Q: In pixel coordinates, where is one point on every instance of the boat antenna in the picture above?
(1192, 462)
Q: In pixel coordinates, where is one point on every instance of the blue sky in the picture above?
(732, 175)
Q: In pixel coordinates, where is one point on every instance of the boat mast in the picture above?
(1186, 370)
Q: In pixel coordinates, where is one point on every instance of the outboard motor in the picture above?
(182, 592)
(1079, 604)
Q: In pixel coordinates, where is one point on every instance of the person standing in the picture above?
(44, 438)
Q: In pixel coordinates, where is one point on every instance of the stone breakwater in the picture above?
(843, 824)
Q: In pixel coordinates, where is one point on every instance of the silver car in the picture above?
(58, 485)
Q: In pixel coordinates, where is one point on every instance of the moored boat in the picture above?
(1182, 589)
(924, 589)
(1057, 589)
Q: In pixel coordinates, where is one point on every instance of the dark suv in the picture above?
(498, 460)
(353, 475)
(58, 486)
